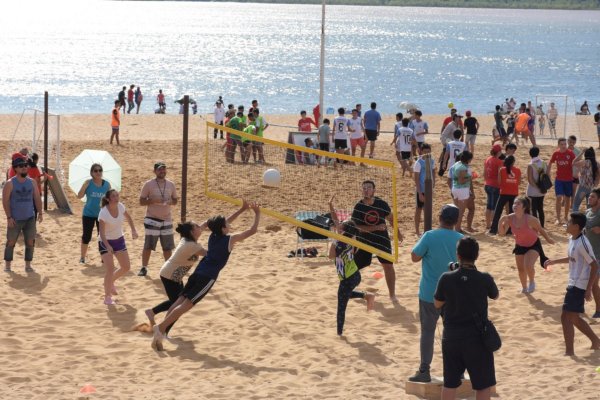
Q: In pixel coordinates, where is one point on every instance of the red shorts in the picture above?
(357, 142)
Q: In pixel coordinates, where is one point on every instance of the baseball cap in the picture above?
(496, 148)
(159, 164)
(449, 213)
(18, 161)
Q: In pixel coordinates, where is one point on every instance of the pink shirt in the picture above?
(524, 235)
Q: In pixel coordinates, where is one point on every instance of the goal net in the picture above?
(304, 188)
(558, 115)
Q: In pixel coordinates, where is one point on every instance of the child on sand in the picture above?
(347, 270)
(583, 273)
(115, 122)
(220, 245)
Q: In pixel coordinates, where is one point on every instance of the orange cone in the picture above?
(87, 388)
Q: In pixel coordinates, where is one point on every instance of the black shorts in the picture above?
(197, 287)
(420, 204)
(575, 182)
(371, 134)
(405, 155)
(521, 250)
(503, 132)
(363, 258)
(469, 354)
(324, 146)
(340, 144)
(574, 300)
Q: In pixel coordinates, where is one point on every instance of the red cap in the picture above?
(496, 148)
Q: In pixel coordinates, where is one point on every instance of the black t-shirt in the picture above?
(498, 119)
(370, 215)
(471, 125)
(122, 95)
(597, 117)
(465, 292)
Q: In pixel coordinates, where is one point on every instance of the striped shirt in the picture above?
(581, 255)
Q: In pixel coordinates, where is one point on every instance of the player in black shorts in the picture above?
(369, 215)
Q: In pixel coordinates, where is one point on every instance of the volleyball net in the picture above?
(308, 180)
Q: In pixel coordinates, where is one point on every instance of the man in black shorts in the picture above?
(369, 215)
(463, 293)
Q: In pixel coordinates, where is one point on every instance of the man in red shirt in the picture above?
(563, 185)
(492, 187)
(304, 122)
(130, 95)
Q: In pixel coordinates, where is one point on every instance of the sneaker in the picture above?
(82, 260)
(596, 314)
(421, 376)
(29, 270)
(531, 287)
(143, 271)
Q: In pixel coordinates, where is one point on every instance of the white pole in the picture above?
(322, 66)
(565, 117)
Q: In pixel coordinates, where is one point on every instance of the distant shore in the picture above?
(527, 4)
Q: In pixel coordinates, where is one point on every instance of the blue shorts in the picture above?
(116, 244)
(563, 188)
(493, 194)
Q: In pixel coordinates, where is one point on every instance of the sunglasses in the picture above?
(97, 170)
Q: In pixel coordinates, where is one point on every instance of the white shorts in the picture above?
(461, 194)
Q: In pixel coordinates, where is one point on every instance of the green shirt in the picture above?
(250, 131)
(235, 123)
(456, 169)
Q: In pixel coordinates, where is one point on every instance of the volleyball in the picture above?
(450, 105)
(271, 178)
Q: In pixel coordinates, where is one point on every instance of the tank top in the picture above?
(344, 260)
(115, 117)
(216, 256)
(93, 196)
(21, 199)
(524, 235)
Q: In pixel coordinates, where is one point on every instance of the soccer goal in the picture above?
(29, 133)
(304, 185)
(559, 114)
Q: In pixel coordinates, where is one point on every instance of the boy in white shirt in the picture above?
(403, 139)
(453, 149)
(583, 273)
(340, 133)
(357, 136)
(420, 129)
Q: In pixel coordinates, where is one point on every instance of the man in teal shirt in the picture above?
(237, 123)
(436, 249)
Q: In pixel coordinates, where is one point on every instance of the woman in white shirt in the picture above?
(112, 241)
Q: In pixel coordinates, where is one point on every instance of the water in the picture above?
(83, 52)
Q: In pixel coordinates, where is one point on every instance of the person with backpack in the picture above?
(535, 193)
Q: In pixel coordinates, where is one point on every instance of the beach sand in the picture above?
(267, 328)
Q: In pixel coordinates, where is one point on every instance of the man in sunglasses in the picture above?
(18, 197)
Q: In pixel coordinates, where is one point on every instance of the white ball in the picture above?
(272, 178)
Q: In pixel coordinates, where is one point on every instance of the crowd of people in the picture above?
(461, 288)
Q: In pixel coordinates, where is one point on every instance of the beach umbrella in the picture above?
(407, 105)
(79, 169)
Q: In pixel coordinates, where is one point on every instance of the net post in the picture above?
(184, 156)
(45, 149)
(428, 207)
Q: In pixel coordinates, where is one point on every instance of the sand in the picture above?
(267, 329)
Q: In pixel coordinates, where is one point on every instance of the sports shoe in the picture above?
(596, 314)
(143, 271)
(421, 376)
(531, 287)
(82, 260)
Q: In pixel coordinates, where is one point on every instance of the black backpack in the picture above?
(322, 221)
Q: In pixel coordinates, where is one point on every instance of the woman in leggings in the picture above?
(177, 266)
(93, 190)
(347, 270)
(509, 178)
